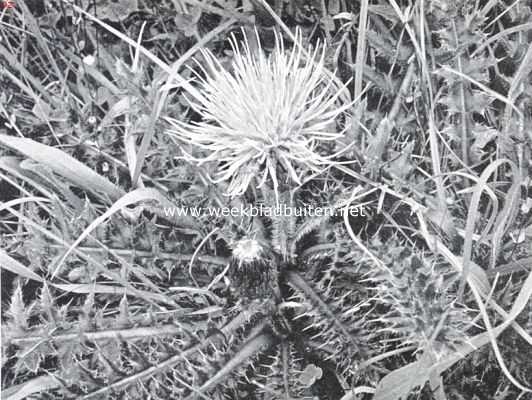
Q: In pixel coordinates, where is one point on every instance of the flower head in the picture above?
(270, 113)
(247, 250)
(253, 270)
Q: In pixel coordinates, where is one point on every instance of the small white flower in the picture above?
(267, 116)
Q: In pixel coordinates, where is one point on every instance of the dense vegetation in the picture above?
(417, 112)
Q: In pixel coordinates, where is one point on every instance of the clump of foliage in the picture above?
(117, 116)
(421, 300)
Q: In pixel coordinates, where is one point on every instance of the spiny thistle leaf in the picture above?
(18, 313)
(422, 308)
(332, 316)
(123, 316)
(281, 375)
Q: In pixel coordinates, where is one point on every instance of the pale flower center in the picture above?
(247, 250)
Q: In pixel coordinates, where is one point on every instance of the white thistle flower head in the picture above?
(248, 250)
(269, 114)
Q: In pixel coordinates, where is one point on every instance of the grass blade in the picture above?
(64, 165)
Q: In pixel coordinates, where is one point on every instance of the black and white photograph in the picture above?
(266, 199)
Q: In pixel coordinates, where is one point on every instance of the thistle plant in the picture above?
(270, 116)
(108, 293)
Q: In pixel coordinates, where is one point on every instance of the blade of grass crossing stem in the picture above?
(498, 36)
(472, 215)
(490, 193)
(484, 88)
(499, 15)
(505, 219)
